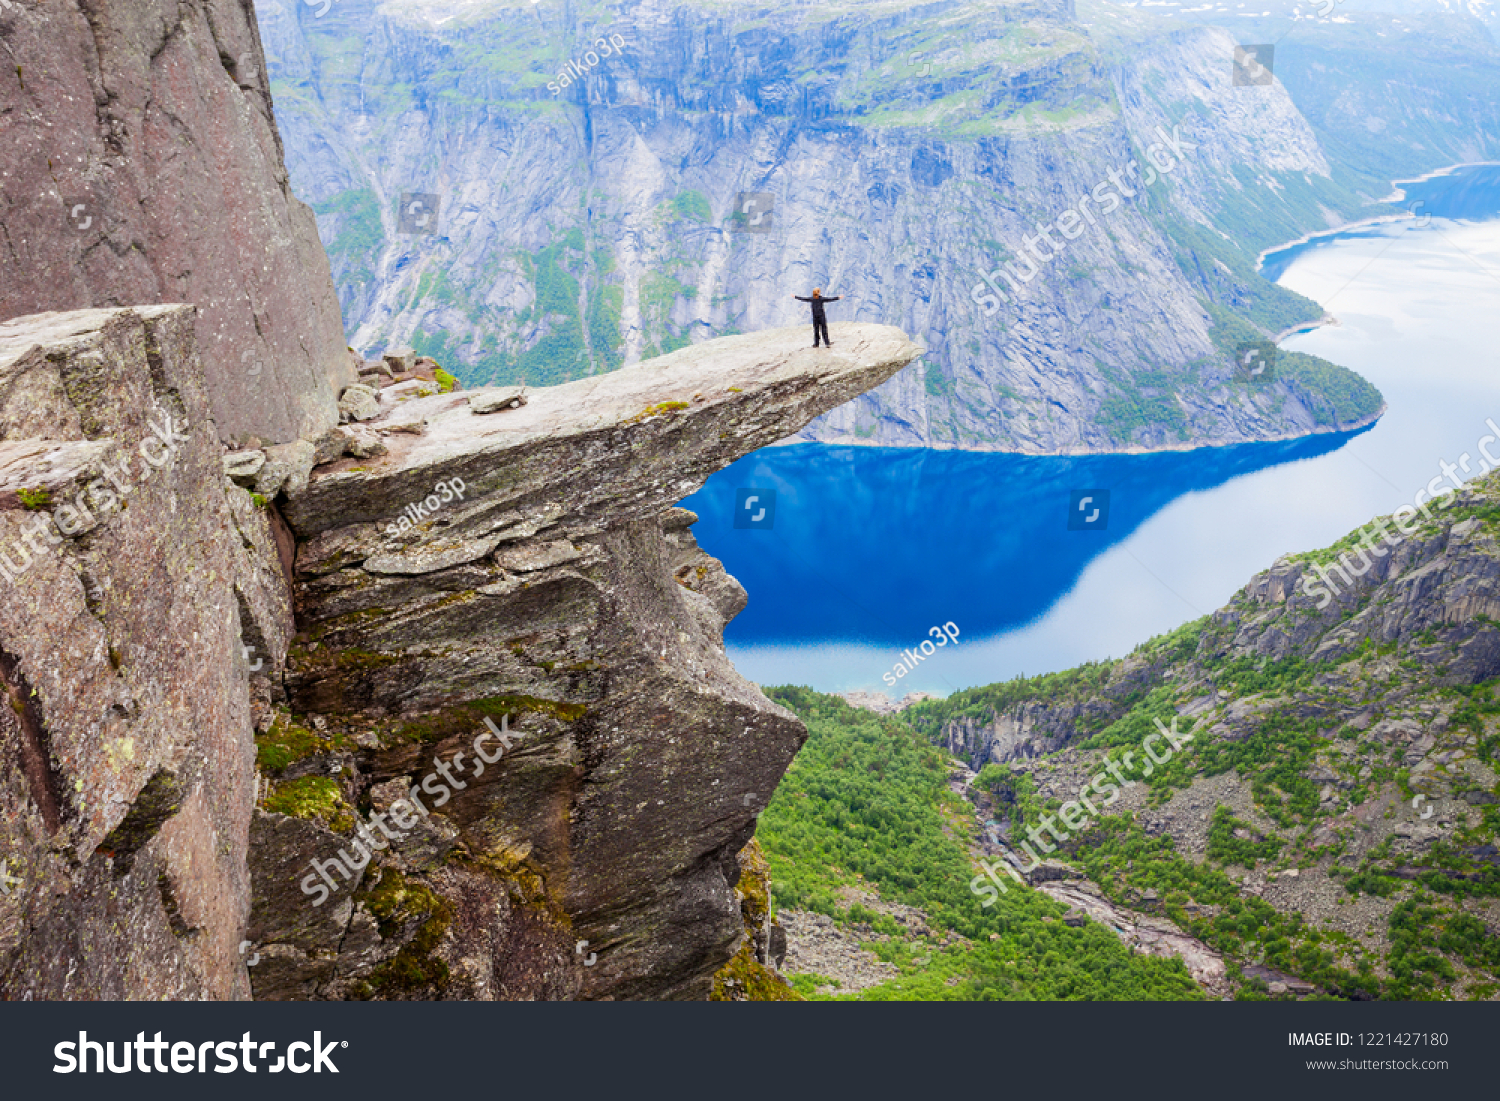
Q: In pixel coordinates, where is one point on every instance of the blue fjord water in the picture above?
(872, 547)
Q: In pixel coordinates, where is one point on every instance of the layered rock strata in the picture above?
(174, 760)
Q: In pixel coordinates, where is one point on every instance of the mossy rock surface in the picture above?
(290, 740)
(347, 659)
(313, 797)
(468, 716)
(286, 742)
(400, 905)
(744, 980)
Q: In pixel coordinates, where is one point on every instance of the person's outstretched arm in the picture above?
(799, 298)
(835, 298)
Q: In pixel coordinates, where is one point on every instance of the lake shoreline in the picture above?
(872, 545)
(1082, 453)
(1397, 194)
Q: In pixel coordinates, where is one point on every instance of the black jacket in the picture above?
(817, 305)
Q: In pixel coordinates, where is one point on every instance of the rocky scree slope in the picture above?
(1340, 789)
(908, 154)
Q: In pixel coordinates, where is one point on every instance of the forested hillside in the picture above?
(867, 801)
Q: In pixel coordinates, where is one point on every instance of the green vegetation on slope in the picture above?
(570, 341)
(1336, 395)
(1291, 732)
(1146, 399)
(866, 797)
(1083, 682)
(358, 236)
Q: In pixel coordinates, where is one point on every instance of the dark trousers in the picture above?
(820, 325)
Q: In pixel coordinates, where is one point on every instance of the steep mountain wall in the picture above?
(1319, 755)
(143, 165)
(128, 581)
(902, 156)
(1393, 89)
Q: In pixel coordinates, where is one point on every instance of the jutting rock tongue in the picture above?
(567, 595)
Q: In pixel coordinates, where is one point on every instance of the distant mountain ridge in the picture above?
(898, 157)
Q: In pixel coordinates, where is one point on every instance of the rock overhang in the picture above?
(624, 445)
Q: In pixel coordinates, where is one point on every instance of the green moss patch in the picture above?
(659, 408)
(399, 905)
(742, 979)
(345, 659)
(313, 797)
(287, 741)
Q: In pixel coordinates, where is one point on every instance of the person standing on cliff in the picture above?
(820, 321)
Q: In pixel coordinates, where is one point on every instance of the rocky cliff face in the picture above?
(576, 230)
(505, 639)
(560, 595)
(129, 584)
(432, 705)
(143, 165)
(1429, 591)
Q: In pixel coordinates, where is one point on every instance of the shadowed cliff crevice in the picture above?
(158, 801)
(25, 712)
